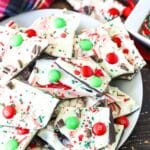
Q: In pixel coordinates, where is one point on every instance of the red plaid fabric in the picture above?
(12, 7)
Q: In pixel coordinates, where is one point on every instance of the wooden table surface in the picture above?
(140, 137)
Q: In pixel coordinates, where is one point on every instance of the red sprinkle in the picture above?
(22, 131)
(86, 71)
(117, 40)
(114, 12)
(125, 51)
(58, 85)
(63, 35)
(122, 121)
(99, 128)
(31, 33)
(9, 111)
(126, 11)
(98, 72)
(80, 137)
(77, 72)
(112, 58)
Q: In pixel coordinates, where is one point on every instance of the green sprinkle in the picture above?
(40, 119)
(87, 144)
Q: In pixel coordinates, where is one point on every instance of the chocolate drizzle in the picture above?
(62, 138)
(36, 50)
(122, 66)
(11, 85)
(60, 123)
(20, 63)
(88, 133)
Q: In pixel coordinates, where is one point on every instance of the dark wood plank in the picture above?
(140, 137)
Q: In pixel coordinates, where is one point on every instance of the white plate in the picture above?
(136, 18)
(134, 88)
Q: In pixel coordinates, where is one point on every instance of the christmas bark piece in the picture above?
(38, 144)
(85, 128)
(119, 102)
(87, 71)
(24, 106)
(15, 138)
(121, 37)
(96, 101)
(103, 10)
(17, 50)
(59, 30)
(52, 137)
(119, 131)
(76, 102)
(97, 43)
(47, 76)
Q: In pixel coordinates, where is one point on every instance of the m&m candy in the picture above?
(72, 122)
(16, 40)
(54, 75)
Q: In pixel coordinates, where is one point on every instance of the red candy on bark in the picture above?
(86, 71)
(114, 12)
(126, 11)
(122, 121)
(9, 111)
(99, 128)
(30, 32)
(117, 40)
(22, 131)
(112, 58)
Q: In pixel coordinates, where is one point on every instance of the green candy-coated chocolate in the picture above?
(59, 22)
(54, 75)
(16, 40)
(86, 45)
(72, 122)
(12, 145)
(95, 81)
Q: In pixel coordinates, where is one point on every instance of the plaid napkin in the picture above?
(12, 7)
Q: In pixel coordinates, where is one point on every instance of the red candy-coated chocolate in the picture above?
(122, 121)
(112, 58)
(9, 111)
(22, 131)
(146, 31)
(117, 40)
(126, 11)
(30, 32)
(114, 12)
(99, 128)
(86, 71)
(98, 73)
(125, 51)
